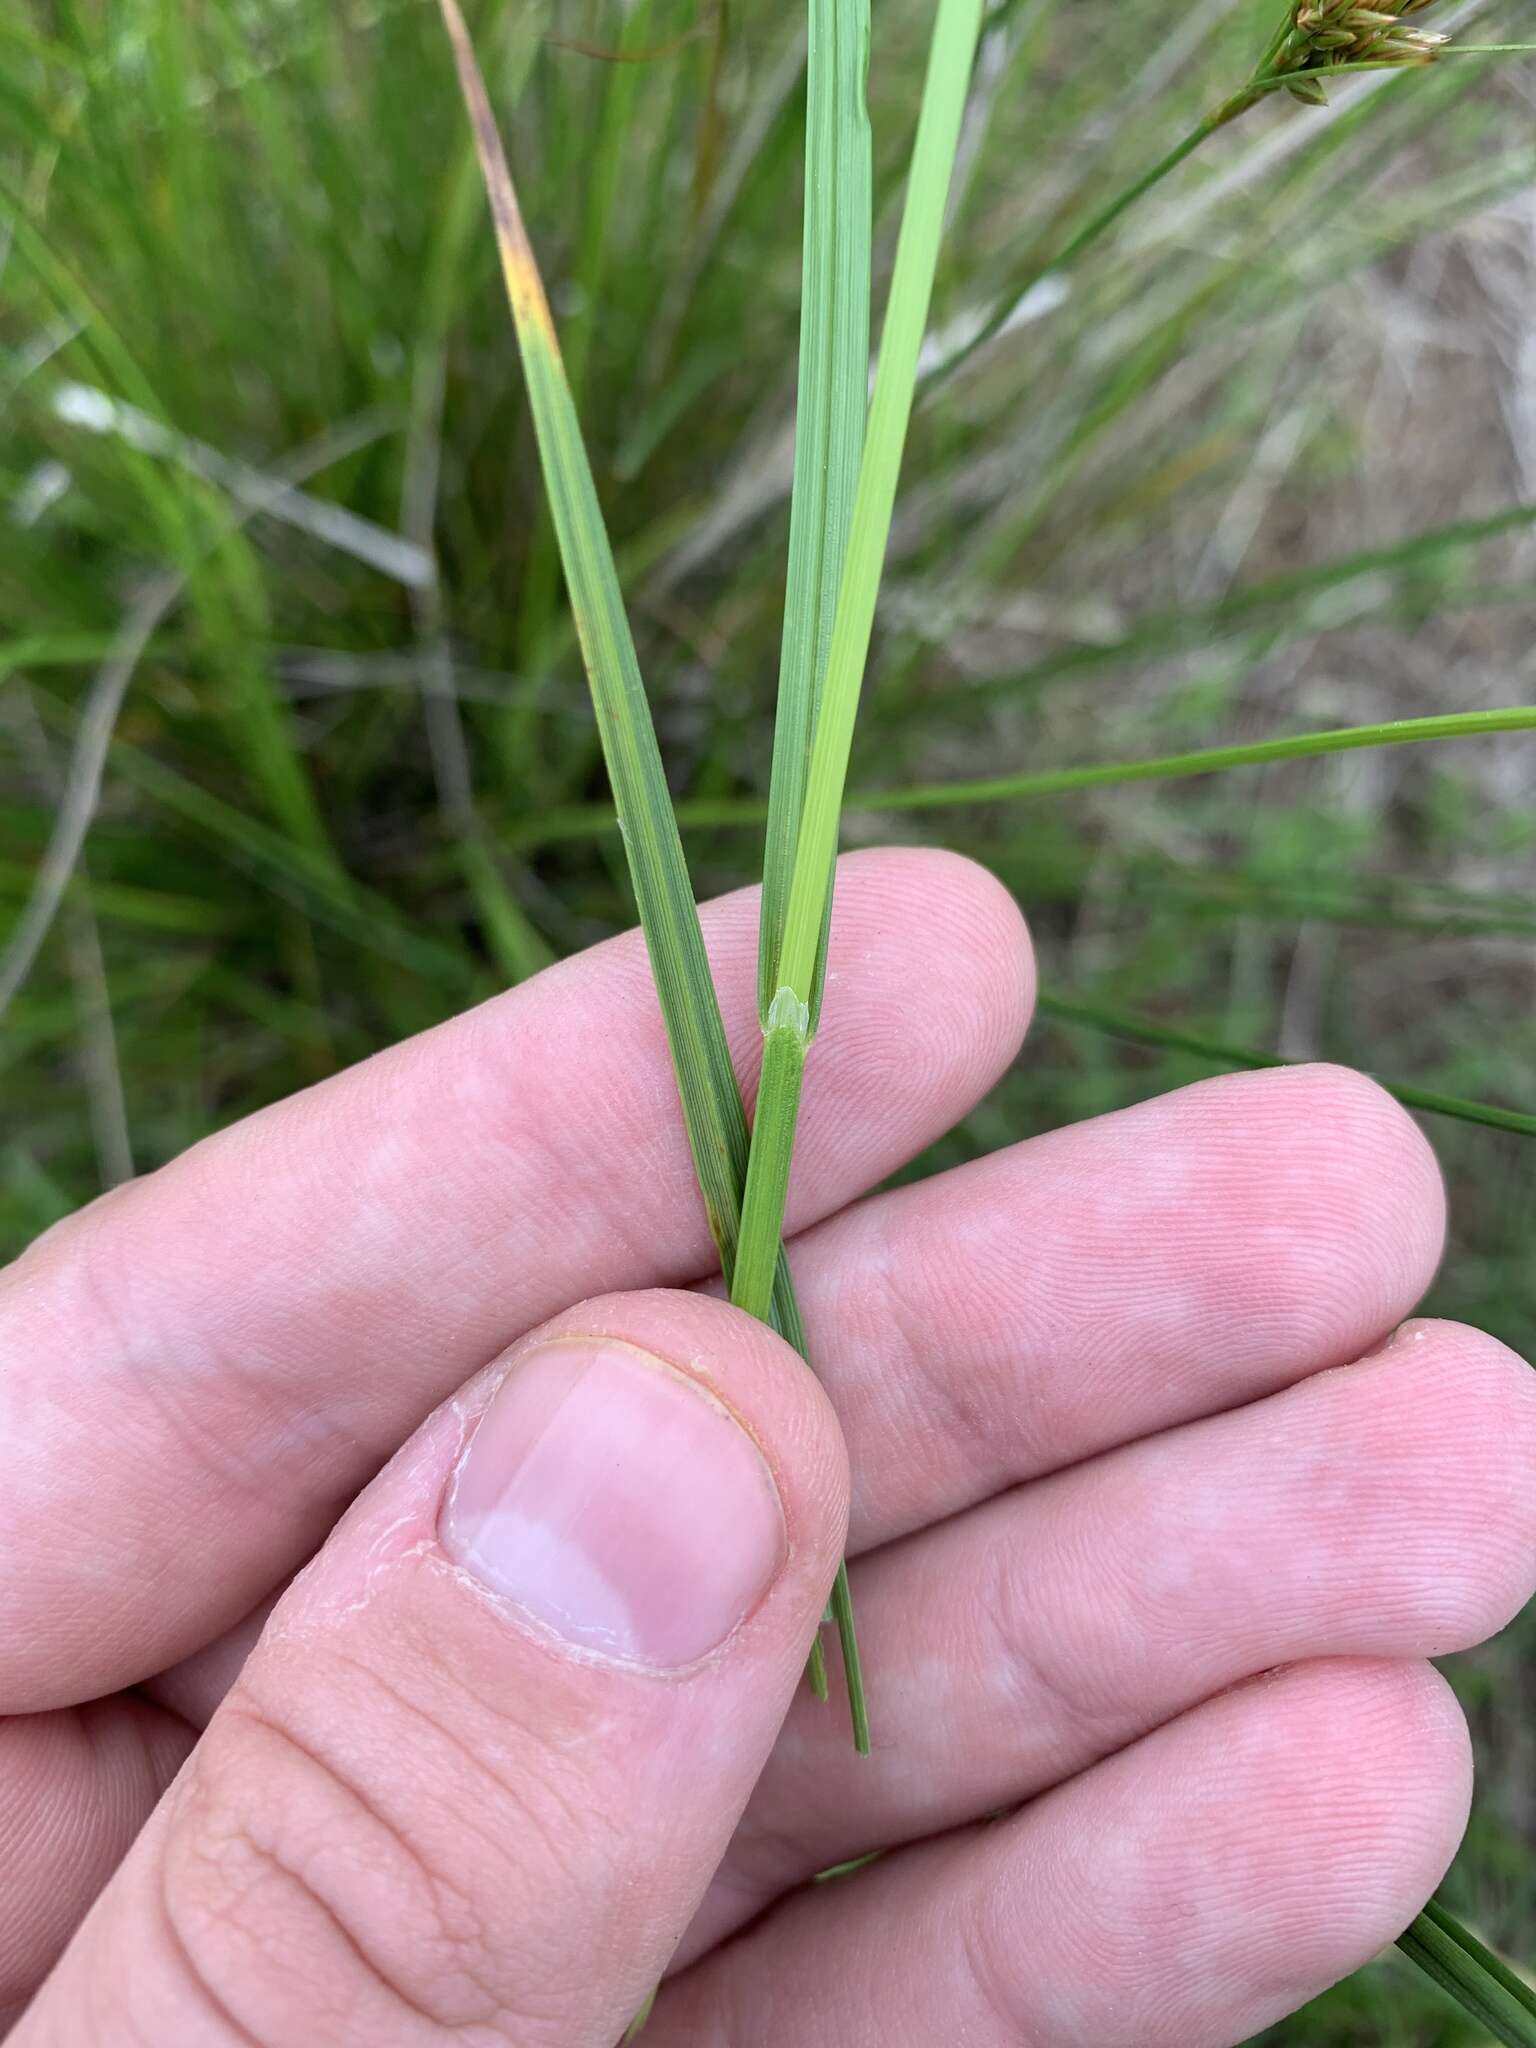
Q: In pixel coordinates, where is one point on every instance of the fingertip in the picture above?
(1373, 1792)
(1453, 1412)
(1371, 1174)
(968, 949)
(1287, 1832)
(1324, 1214)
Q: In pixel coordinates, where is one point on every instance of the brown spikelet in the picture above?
(1324, 34)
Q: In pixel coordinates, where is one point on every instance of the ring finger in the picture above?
(1183, 1894)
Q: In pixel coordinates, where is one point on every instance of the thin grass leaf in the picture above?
(955, 32)
(541, 577)
(668, 915)
(1474, 1976)
(515, 943)
(1283, 598)
(711, 1100)
(582, 820)
(294, 872)
(223, 583)
(831, 395)
(1143, 1031)
(794, 971)
(1397, 732)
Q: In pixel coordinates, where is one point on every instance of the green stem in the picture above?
(1260, 86)
(1266, 82)
(831, 395)
(797, 976)
(853, 1667)
(1473, 1975)
(1397, 732)
(816, 1671)
(956, 28)
(707, 1086)
(1086, 236)
(1142, 1031)
(787, 1320)
(773, 1144)
(583, 820)
(829, 434)
(760, 1265)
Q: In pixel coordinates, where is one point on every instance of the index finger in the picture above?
(202, 1369)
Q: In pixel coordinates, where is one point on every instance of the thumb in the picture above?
(478, 1771)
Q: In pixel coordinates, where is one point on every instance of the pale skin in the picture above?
(1160, 1503)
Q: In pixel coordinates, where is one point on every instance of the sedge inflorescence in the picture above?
(1324, 34)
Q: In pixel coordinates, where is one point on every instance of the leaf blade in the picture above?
(831, 397)
(664, 895)
(956, 29)
(1479, 1981)
(712, 1107)
(1146, 1031)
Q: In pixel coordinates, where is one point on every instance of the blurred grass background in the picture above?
(273, 550)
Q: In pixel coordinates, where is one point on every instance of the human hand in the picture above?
(509, 1748)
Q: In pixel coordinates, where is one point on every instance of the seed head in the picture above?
(1326, 33)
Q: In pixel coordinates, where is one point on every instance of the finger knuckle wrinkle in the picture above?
(1008, 1634)
(206, 1413)
(954, 1412)
(542, 1802)
(991, 1968)
(308, 1883)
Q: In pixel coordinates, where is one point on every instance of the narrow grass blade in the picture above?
(829, 446)
(636, 2026)
(580, 821)
(711, 1101)
(793, 969)
(1143, 1031)
(955, 32)
(292, 871)
(542, 573)
(223, 583)
(706, 1080)
(1474, 1976)
(803, 834)
(1282, 598)
(831, 396)
(1398, 732)
(514, 942)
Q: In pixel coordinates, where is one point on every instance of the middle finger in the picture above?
(1381, 1511)
(1113, 1278)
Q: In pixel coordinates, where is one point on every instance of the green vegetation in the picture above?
(297, 749)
